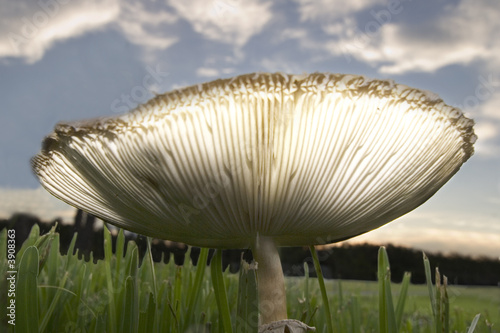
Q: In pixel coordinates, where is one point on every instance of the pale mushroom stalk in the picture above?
(271, 281)
(259, 161)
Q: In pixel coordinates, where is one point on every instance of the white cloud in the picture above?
(483, 106)
(491, 108)
(207, 72)
(485, 130)
(488, 143)
(278, 64)
(313, 10)
(465, 33)
(146, 27)
(29, 29)
(292, 33)
(227, 21)
(210, 68)
(37, 202)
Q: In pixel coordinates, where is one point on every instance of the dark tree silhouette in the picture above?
(356, 262)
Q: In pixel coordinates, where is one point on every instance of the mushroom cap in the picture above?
(303, 159)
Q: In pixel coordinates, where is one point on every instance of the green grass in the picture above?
(57, 293)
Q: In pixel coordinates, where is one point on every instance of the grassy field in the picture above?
(465, 303)
(56, 293)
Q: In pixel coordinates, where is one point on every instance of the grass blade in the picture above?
(112, 321)
(130, 319)
(27, 292)
(147, 317)
(474, 323)
(120, 244)
(387, 317)
(194, 292)
(54, 303)
(446, 306)
(403, 296)
(428, 278)
(53, 262)
(30, 241)
(130, 303)
(247, 311)
(306, 296)
(44, 244)
(220, 291)
(355, 311)
(81, 286)
(438, 319)
(147, 276)
(177, 298)
(71, 257)
(383, 316)
(321, 281)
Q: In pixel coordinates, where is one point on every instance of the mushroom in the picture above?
(261, 161)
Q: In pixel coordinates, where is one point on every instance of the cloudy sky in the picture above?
(69, 59)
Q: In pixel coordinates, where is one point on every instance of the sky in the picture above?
(66, 60)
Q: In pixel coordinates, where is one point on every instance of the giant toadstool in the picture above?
(260, 161)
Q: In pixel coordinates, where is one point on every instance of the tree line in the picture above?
(349, 262)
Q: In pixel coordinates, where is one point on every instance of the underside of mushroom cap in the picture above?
(304, 159)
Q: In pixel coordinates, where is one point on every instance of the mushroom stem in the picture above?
(271, 282)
